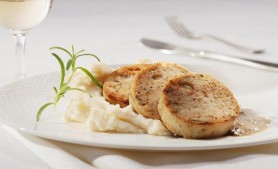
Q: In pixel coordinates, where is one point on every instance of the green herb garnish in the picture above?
(64, 86)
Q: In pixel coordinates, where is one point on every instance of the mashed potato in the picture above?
(100, 115)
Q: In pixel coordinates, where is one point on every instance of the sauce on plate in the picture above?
(249, 122)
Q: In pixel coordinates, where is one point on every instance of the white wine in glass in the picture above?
(19, 17)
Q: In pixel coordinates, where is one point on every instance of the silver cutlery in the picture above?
(183, 31)
(175, 49)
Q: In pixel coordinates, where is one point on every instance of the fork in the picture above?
(182, 30)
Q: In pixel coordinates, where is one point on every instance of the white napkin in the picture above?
(255, 157)
(116, 162)
(52, 153)
(65, 155)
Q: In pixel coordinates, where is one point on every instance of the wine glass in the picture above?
(19, 17)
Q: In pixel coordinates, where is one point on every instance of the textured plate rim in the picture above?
(128, 147)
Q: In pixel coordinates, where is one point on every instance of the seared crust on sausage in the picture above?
(116, 88)
(148, 84)
(197, 106)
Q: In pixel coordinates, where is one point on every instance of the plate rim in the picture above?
(117, 146)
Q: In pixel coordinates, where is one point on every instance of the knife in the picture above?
(175, 49)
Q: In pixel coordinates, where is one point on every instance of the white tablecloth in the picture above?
(112, 30)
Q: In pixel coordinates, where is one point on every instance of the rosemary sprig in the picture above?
(64, 86)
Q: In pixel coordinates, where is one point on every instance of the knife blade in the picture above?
(176, 49)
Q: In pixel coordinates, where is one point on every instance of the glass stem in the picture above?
(20, 40)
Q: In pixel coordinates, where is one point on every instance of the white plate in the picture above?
(254, 89)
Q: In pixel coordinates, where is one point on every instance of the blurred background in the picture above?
(112, 30)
